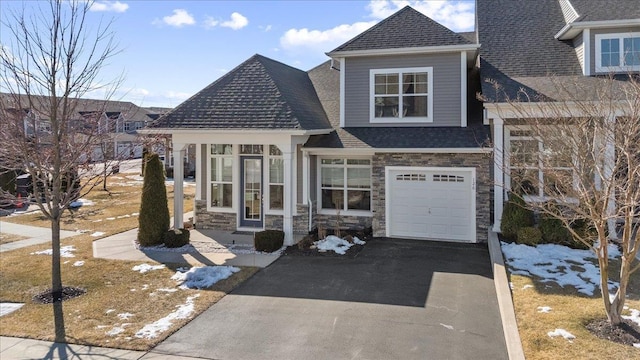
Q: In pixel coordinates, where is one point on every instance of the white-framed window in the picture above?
(618, 52)
(535, 170)
(401, 95)
(345, 184)
(128, 126)
(220, 192)
(276, 178)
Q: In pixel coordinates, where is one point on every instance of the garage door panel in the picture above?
(431, 204)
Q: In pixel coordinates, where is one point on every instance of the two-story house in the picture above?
(387, 134)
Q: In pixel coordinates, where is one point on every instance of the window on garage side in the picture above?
(345, 184)
(221, 175)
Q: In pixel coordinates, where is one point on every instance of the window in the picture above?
(276, 178)
(618, 52)
(128, 126)
(345, 184)
(535, 170)
(401, 95)
(221, 175)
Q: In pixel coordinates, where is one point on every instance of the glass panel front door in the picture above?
(251, 192)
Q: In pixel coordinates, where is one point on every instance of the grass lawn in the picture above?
(7, 238)
(571, 311)
(119, 301)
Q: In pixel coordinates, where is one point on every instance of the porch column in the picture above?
(305, 178)
(178, 186)
(287, 221)
(498, 172)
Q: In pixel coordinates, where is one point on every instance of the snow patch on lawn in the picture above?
(115, 331)
(65, 251)
(97, 233)
(8, 308)
(528, 286)
(81, 202)
(143, 268)
(553, 263)
(635, 316)
(78, 263)
(544, 309)
(336, 244)
(561, 332)
(125, 316)
(152, 330)
(109, 311)
(203, 277)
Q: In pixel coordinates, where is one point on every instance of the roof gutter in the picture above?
(405, 51)
(570, 30)
(170, 131)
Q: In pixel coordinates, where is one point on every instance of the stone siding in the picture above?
(483, 163)
(273, 222)
(213, 220)
(301, 221)
(346, 222)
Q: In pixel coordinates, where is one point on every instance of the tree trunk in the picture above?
(56, 277)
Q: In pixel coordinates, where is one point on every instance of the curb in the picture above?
(505, 302)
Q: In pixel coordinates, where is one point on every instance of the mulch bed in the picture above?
(68, 292)
(301, 250)
(627, 333)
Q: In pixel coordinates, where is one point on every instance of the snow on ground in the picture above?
(635, 316)
(115, 331)
(81, 202)
(336, 244)
(97, 233)
(65, 251)
(203, 277)
(553, 263)
(152, 330)
(125, 316)
(561, 332)
(8, 308)
(109, 311)
(143, 268)
(78, 263)
(544, 309)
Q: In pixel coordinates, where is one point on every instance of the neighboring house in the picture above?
(118, 121)
(530, 47)
(387, 134)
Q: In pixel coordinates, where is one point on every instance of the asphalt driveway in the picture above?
(399, 299)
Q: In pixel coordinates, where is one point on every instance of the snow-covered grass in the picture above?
(65, 251)
(183, 311)
(143, 268)
(8, 308)
(336, 244)
(556, 292)
(203, 277)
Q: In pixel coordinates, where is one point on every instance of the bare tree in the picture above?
(49, 59)
(577, 160)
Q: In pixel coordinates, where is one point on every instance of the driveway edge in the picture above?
(505, 302)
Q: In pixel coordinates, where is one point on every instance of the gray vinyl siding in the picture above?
(592, 40)
(579, 46)
(446, 87)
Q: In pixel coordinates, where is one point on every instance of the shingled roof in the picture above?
(405, 29)
(590, 10)
(258, 94)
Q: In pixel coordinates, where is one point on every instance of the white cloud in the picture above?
(322, 40)
(210, 22)
(115, 6)
(179, 18)
(237, 21)
(456, 15)
(266, 28)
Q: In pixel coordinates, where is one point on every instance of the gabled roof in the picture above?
(406, 28)
(592, 10)
(258, 94)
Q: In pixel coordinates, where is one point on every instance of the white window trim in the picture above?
(234, 169)
(400, 119)
(267, 189)
(541, 197)
(619, 37)
(347, 212)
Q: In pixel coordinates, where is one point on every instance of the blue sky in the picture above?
(172, 49)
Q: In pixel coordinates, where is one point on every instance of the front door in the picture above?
(251, 192)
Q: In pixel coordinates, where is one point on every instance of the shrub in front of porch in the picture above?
(153, 221)
(175, 238)
(515, 216)
(268, 240)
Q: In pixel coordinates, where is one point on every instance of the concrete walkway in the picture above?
(35, 234)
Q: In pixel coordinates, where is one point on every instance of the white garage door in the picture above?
(431, 204)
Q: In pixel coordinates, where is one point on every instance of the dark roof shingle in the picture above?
(258, 94)
(404, 29)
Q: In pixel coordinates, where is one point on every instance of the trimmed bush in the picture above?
(176, 238)
(515, 216)
(529, 236)
(268, 240)
(585, 230)
(553, 231)
(153, 221)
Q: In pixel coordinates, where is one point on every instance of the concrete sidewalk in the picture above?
(35, 234)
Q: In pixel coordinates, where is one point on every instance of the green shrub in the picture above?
(268, 240)
(553, 230)
(585, 230)
(176, 238)
(529, 236)
(515, 216)
(153, 221)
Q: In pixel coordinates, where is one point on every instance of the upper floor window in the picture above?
(401, 95)
(618, 52)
